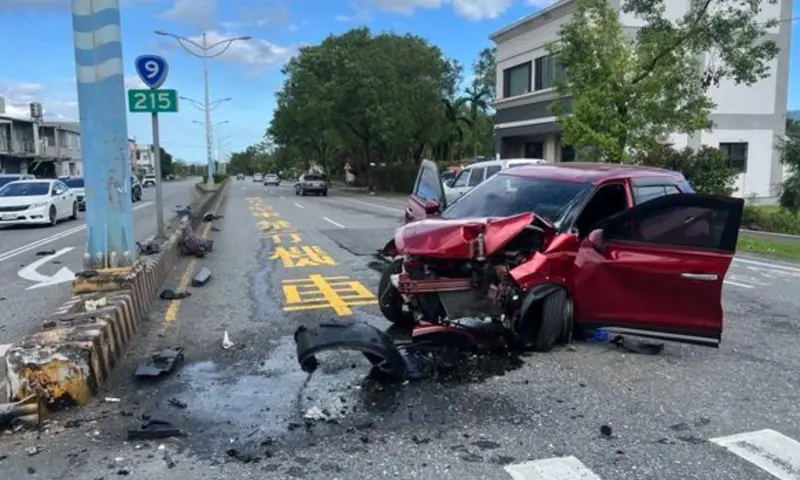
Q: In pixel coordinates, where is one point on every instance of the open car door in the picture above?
(657, 269)
(427, 199)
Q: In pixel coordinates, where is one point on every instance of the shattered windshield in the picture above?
(504, 195)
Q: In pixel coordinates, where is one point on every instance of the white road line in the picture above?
(769, 450)
(52, 238)
(333, 223)
(557, 468)
(776, 266)
(298, 205)
(398, 210)
(737, 284)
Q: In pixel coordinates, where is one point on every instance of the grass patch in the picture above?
(767, 218)
(769, 248)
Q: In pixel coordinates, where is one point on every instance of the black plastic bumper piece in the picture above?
(388, 363)
(202, 277)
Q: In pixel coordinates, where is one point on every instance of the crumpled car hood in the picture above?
(452, 238)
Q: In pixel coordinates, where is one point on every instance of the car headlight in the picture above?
(39, 205)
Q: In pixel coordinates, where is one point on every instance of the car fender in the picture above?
(389, 250)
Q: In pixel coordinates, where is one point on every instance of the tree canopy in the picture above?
(627, 90)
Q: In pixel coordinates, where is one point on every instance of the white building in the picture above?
(747, 120)
(143, 158)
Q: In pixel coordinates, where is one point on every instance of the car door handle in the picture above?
(409, 212)
(703, 277)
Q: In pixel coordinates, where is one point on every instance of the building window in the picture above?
(736, 153)
(547, 71)
(517, 80)
(534, 150)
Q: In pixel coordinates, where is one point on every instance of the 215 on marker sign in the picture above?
(152, 101)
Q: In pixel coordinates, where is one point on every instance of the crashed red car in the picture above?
(536, 252)
(542, 249)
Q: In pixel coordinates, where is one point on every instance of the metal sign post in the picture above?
(152, 70)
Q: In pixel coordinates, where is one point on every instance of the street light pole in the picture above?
(205, 53)
(104, 134)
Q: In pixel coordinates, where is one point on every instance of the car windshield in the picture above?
(11, 178)
(504, 195)
(74, 182)
(25, 189)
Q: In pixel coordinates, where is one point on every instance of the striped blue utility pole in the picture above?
(104, 133)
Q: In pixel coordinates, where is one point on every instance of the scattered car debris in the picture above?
(169, 294)
(161, 363)
(111, 400)
(242, 457)
(226, 341)
(193, 244)
(315, 414)
(633, 346)
(215, 229)
(605, 431)
(149, 248)
(34, 450)
(45, 253)
(95, 304)
(210, 217)
(90, 273)
(177, 403)
(202, 277)
(29, 411)
(155, 429)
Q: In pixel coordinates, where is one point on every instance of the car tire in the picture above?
(324, 193)
(302, 193)
(556, 321)
(296, 191)
(389, 299)
(74, 215)
(52, 216)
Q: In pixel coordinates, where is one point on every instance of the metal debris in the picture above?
(226, 341)
(161, 363)
(95, 304)
(29, 411)
(169, 294)
(154, 429)
(202, 277)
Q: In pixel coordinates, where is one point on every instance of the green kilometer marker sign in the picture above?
(153, 101)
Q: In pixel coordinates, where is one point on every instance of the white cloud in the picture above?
(359, 15)
(133, 82)
(55, 6)
(200, 14)
(255, 52)
(56, 100)
(473, 10)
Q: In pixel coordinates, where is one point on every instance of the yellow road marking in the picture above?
(174, 307)
(317, 292)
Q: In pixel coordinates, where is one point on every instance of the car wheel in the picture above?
(74, 215)
(303, 193)
(52, 215)
(389, 300)
(555, 322)
(324, 193)
(296, 191)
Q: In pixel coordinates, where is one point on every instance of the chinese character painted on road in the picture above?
(316, 292)
(275, 225)
(305, 256)
(291, 237)
(264, 213)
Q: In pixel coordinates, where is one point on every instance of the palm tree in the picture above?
(477, 97)
(456, 123)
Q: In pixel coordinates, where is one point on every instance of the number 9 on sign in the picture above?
(152, 70)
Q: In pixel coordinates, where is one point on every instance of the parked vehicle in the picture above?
(13, 177)
(311, 183)
(473, 174)
(149, 180)
(75, 184)
(31, 202)
(540, 250)
(257, 177)
(240, 176)
(272, 179)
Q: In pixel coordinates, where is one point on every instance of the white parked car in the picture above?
(149, 181)
(257, 177)
(473, 175)
(37, 202)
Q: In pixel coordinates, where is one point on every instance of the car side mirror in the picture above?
(432, 207)
(595, 239)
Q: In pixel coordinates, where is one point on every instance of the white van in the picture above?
(476, 173)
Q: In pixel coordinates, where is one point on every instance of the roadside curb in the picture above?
(69, 360)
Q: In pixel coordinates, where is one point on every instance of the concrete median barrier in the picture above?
(67, 362)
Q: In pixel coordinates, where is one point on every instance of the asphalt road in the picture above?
(23, 304)
(672, 416)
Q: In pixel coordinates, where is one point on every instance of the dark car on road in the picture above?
(311, 183)
(76, 185)
(13, 177)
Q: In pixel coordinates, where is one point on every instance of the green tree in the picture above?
(484, 74)
(706, 169)
(166, 163)
(626, 92)
(790, 158)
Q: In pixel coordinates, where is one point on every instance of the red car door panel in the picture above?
(427, 199)
(658, 268)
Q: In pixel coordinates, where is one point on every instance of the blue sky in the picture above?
(38, 57)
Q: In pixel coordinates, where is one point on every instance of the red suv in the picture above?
(536, 250)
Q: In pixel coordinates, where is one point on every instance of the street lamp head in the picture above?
(248, 37)
(226, 99)
(161, 32)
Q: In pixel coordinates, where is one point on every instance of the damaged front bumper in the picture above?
(386, 359)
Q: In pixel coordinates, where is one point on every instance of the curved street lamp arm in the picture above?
(183, 41)
(227, 44)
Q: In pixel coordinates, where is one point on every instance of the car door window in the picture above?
(692, 221)
(462, 179)
(646, 193)
(57, 190)
(606, 202)
(476, 177)
(490, 171)
(428, 186)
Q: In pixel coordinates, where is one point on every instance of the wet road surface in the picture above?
(246, 409)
